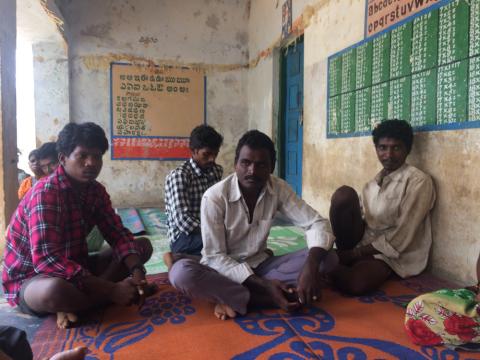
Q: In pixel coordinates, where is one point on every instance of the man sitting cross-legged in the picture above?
(184, 188)
(395, 232)
(47, 268)
(236, 271)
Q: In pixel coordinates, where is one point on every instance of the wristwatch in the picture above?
(139, 267)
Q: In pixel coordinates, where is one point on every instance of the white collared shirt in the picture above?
(232, 245)
(397, 214)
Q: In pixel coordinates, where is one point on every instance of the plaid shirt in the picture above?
(184, 188)
(47, 234)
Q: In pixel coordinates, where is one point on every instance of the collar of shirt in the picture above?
(383, 180)
(196, 168)
(235, 193)
(199, 172)
(60, 177)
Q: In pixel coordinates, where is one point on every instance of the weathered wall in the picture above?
(50, 72)
(449, 156)
(8, 153)
(208, 34)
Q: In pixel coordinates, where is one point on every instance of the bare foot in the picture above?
(224, 312)
(78, 353)
(66, 320)
(168, 260)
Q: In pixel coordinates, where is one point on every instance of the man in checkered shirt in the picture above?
(47, 268)
(184, 188)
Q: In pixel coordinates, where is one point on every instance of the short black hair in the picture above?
(395, 129)
(255, 139)
(86, 134)
(47, 151)
(33, 153)
(204, 136)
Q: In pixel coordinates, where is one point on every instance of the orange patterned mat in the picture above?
(172, 326)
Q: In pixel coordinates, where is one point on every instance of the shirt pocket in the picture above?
(258, 235)
(386, 212)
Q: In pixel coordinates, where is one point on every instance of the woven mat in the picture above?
(172, 326)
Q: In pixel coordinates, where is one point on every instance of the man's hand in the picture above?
(125, 292)
(309, 285)
(310, 279)
(144, 288)
(271, 293)
(346, 257)
(282, 295)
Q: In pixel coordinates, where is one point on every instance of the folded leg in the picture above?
(202, 282)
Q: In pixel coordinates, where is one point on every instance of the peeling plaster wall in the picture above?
(8, 138)
(50, 71)
(451, 157)
(209, 34)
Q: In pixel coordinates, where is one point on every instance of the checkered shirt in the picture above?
(184, 188)
(47, 234)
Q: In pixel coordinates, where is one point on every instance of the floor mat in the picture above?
(172, 326)
(155, 223)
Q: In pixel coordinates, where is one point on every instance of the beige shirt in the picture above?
(397, 215)
(234, 247)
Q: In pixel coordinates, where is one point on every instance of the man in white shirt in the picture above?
(235, 271)
(393, 232)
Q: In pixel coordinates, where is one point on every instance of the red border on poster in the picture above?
(150, 148)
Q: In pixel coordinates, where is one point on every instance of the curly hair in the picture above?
(255, 139)
(86, 134)
(205, 136)
(48, 150)
(395, 129)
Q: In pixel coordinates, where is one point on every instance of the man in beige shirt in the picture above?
(236, 271)
(394, 233)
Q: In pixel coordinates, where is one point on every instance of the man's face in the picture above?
(48, 165)
(253, 168)
(391, 153)
(205, 157)
(83, 165)
(34, 165)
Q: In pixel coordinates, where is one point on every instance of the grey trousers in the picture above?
(202, 282)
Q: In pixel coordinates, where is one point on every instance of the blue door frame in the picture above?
(291, 127)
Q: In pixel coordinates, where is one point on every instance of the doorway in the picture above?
(291, 119)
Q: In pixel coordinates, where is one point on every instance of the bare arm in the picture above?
(348, 256)
(309, 280)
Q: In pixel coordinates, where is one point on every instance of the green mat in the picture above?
(286, 239)
(155, 222)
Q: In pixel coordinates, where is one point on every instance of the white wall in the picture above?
(451, 157)
(50, 70)
(212, 35)
(25, 104)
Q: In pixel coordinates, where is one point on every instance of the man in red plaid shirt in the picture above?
(47, 268)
